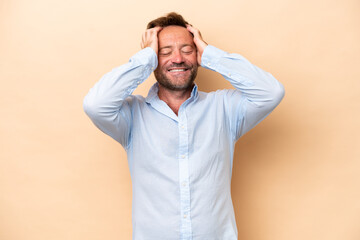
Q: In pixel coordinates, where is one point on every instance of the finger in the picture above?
(149, 37)
(142, 41)
(143, 37)
(192, 29)
(157, 29)
(195, 32)
(153, 31)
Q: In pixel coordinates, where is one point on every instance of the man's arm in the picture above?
(258, 92)
(108, 103)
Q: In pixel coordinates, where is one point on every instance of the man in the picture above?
(180, 141)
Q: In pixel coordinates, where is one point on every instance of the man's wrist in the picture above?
(146, 56)
(211, 56)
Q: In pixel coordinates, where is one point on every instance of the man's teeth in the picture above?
(176, 70)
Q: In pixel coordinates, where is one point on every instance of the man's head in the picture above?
(171, 19)
(177, 55)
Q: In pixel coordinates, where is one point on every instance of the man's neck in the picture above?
(173, 98)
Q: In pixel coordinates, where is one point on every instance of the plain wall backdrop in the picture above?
(295, 176)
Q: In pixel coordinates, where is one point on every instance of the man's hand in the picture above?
(150, 38)
(199, 42)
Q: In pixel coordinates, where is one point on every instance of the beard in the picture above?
(176, 84)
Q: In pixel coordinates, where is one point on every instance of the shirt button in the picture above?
(138, 82)
(229, 74)
(209, 64)
(152, 68)
(182, 126)
(184, 183)
(182, 156)
(185, 216)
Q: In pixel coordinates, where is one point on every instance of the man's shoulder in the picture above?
(218, 93)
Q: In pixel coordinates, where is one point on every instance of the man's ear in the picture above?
(198, 58)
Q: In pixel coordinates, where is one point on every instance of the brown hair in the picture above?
(170, 19)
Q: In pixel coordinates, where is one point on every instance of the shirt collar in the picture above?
(153, 93)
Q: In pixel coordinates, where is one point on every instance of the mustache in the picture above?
(183, 65)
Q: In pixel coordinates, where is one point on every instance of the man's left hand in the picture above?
(199, 42)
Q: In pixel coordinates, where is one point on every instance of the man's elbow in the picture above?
(90, 108)
(278, 93)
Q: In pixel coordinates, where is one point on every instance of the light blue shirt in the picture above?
(181, 165)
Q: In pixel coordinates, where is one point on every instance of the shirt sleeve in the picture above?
(257, 91)
(108, 103)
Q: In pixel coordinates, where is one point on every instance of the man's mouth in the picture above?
(177, 69)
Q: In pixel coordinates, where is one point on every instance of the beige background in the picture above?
(296, 175)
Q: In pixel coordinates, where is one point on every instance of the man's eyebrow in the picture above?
(184, 45)
(187, 45)
(164, 47)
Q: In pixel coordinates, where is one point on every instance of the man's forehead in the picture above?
(174, 32)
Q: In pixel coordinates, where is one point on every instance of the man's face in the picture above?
(177, 59)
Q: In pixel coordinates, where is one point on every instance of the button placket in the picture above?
(186, 229)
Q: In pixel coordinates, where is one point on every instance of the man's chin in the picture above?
(177, 86)
(176, 82)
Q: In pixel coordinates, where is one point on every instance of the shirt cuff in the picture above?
(146, 57)
(211, 57)
(145, 62)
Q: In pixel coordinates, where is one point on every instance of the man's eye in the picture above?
(187, 50)
(165, 52)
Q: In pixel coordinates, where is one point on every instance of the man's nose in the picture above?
(177, 57)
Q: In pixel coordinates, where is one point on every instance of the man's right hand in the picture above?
(150, 38)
